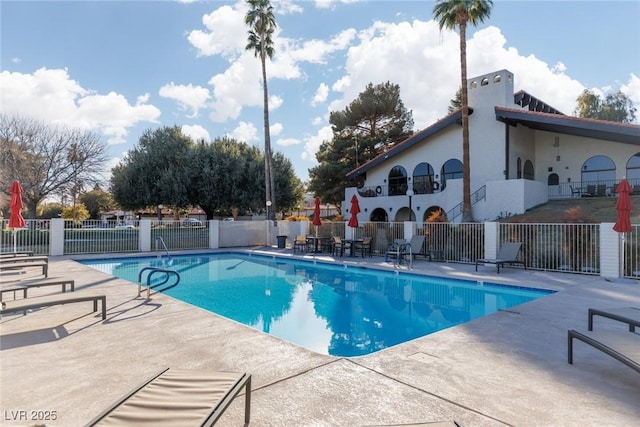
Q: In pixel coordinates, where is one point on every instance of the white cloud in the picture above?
(312, 143)
(52, 96)
(286, 142)
(245, 132)
(275, 129)
(196, 133)
(321, 95)
(632, 90)
(189, 97)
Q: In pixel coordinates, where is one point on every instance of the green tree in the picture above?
(97, 201)
(226, 174)
(369, 125)
(615, 107)
(262, 24)
(451, 14)
(156, 171)
(289, 187)
(47, 159)
(456, 103)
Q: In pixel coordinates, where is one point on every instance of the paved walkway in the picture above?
(509, 368)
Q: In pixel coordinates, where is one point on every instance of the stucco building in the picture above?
(523, 152)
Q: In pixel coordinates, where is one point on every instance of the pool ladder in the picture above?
(156, 270)
(164, 246)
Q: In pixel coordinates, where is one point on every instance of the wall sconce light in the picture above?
(365, 209)
(390, 209)
(418, 207)
(557, 158)
(384, 180)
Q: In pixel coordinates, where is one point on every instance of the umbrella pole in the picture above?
(15, 246)
(621, 240)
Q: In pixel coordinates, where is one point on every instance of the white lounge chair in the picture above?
(178, 397)
(507, 255)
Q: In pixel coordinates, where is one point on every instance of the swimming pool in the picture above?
(331, 309)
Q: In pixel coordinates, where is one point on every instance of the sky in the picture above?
(118, 68)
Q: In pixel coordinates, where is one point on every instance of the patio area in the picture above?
(509, 368)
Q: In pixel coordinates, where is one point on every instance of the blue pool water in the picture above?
(330, 309)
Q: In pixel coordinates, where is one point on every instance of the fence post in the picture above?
(144, 235)
(611, 263)
(409, 230)
(491, 236)
(214, 234)
(56, 237)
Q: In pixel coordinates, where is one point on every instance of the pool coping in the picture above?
(508, 368)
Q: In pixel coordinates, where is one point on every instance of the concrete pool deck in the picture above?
(509, 368)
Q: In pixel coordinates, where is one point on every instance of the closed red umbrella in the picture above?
(16, 220)
(316, 214)
(355, 210)
(623, 206)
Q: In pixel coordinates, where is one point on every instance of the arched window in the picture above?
(519, 168)
(452, 169)
(633, 169)
(379, 215)
(528, 170)
(423, 177)
(397, 181)
(553, 179)
(597, 170)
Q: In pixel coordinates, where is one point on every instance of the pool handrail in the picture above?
(152, 271)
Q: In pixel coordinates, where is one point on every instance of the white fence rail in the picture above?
(576, 248)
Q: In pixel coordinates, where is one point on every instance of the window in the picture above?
(633, 168)
(528, 170)
(598, 169)
(519, 168)
(423, 178)
(452, 169)
(397, 181)
(553, 179)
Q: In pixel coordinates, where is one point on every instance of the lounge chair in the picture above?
(178, 397)
(23, 258)
(21, 265)
(25, 285)
(393, 251)
(621, 345)
(630, 315)
(25, 304)
(506, 256)
(411, 249)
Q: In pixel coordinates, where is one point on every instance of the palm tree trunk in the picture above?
(466, 175)
(268, 158)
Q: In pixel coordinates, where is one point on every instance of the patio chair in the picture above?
(300, 243)
(23, 265)
(507, 255)
(628, 315)
(338, 246)
(601, 190)
(179, 397)
(364, 246)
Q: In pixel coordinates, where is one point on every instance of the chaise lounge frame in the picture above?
(25, 285)
(21, 265)
(25, 304)
(179, 397)
(621, 345)
(506, 256)
(630, 315)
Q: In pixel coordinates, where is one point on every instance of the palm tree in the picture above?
(451, 14)
(262, 24)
